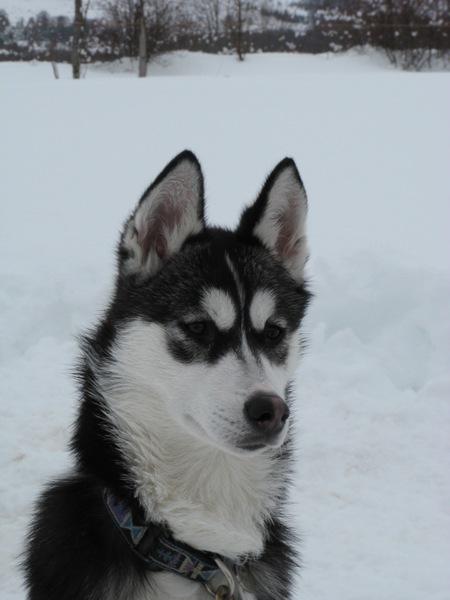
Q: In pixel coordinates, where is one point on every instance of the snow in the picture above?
(372, 491)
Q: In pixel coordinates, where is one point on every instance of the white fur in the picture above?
(262, 308)
(176, 424)
(220, 308)
(237, 280)
(282, 227)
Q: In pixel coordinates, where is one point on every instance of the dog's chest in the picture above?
(215, 503)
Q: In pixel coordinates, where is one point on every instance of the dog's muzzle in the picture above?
(267, 415)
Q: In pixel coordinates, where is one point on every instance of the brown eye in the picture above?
(273, 332)
(197, 327)
(200, 330)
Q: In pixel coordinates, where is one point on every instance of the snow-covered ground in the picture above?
(372, 493)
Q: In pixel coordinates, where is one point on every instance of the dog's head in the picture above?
(210, 317)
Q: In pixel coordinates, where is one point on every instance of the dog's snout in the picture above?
(267, 413)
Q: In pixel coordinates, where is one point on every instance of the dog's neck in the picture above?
(209, 498)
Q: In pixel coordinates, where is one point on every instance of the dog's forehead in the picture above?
(238, 290)
(226, 279)
(226, 308)
(256, 285)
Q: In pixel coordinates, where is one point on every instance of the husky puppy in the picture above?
(182, 444)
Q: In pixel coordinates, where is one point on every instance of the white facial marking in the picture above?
(181, 473)
(261, 308)
(240, 289)
(220, 307)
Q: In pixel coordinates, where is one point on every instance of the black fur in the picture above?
(74, 551)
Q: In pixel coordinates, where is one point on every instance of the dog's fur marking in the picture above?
(262, 307)
(237, 281)
(220, 307)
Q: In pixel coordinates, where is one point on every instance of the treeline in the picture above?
(412, 33)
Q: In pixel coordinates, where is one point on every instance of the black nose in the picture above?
(266, 412)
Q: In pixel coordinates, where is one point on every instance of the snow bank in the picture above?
(372, 490)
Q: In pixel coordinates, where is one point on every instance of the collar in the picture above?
(153, 544)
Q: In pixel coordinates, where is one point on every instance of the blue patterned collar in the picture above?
(156, 548)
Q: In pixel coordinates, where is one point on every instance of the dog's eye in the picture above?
(273, 332)
(199, 329)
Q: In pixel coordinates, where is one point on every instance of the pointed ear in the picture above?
(278, 218)
(169, 212)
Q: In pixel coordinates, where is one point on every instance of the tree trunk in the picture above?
(77, 34)
(142, 48)
(55, 69)
(239, 49)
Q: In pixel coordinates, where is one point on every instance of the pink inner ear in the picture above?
(153, 237)
(287, 244)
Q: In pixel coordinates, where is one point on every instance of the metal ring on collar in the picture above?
(224, 592)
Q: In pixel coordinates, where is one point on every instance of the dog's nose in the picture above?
(267, 413)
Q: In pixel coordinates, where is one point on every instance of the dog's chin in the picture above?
(258, 446)
(244, 447)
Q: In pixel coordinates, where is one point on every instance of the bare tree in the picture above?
(240, 15)
(210, 15)
(239, 23)
(142, 41)
(410, 32)
(141, 27)
(77, 35)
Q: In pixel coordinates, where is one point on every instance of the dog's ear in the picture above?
(278, 216)
(169, 212)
